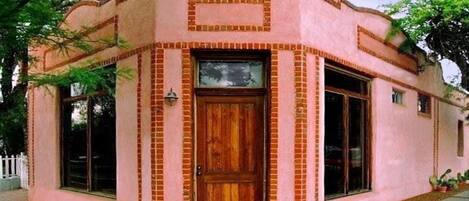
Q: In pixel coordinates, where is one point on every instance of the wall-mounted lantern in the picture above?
(171, 97)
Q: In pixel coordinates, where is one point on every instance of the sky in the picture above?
(450, 69)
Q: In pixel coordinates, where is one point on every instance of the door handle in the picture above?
(198, 170)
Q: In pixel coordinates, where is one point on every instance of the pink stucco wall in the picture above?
(402, 141)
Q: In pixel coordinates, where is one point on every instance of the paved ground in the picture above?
(16, 195)
(464, 196)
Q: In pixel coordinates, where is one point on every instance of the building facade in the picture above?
(277, 100)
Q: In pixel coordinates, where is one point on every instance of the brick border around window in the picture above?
(157, 124)
(300, 124)
(273, 149)
(31, 136)
(317, 135)
(193, 26)
(187, 97)
(139, 127)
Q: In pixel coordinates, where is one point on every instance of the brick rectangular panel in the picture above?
(378, 47)
(232, 15)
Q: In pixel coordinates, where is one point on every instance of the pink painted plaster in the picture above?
(402, 141)
(241, 14)
(286, 126)
(173, 128)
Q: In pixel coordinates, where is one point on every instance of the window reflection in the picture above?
(89, 139)
(74, 146)
(103, 144)
(231, 74)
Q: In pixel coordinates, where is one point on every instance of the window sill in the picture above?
(399, 104)
(97, 194)
(426, 115)
(350, 195)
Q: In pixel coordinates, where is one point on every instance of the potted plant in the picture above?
(466, 176)
(461, 180)
(441, 183)
(453, 183)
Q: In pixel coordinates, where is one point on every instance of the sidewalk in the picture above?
(16, 195)
(464, 196)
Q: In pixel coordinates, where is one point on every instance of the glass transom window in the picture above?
(230, 74)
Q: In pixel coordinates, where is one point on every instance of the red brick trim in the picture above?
(101, 25)
(317, 134)
(80, 4)
(436, 137)
(153, 123)
(335, 3)
(31, 116)
(157, 135)
(300, 125)
(159, 138)
(273, 159)
(193, 26)
(139, 127)
(360, 29)
(187, 96)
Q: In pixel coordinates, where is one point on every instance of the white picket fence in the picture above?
(15, 166)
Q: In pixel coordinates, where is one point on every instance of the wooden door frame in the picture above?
(226, 54)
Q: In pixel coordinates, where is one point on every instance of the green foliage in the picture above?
(466, 174)
(90, 78)
(34, 23)
(12, 125)
(421, 17)
(442, 26)
(23, 23)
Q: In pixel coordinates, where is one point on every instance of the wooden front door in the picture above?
(230, 148)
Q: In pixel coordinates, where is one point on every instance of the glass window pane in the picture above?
(334, 130)
(342, 81)
(424, 104)
(357, 135)
(103, 145)
(231, 74)
(75, 144)
(397, 97)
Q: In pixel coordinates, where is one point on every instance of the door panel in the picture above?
(230, 148)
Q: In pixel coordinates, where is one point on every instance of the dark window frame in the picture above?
(460, 138)
(426, 111)
(396, 100)
(365, 95)
(66, 98)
